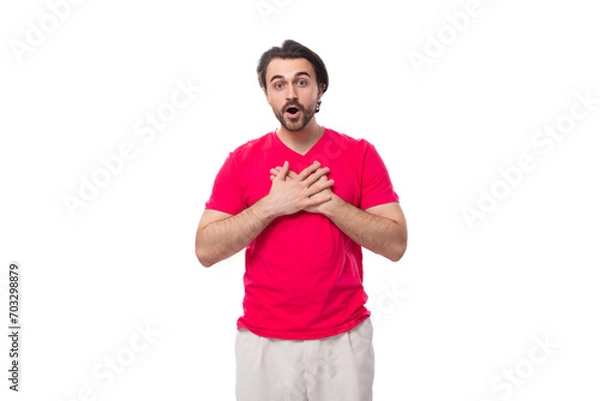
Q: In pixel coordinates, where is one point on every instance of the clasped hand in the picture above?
(291, 192)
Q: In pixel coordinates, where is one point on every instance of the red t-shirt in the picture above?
(303, 276)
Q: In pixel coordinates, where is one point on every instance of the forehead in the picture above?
(288, 68)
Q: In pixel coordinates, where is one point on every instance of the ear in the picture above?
(266, 94)
(321, 91)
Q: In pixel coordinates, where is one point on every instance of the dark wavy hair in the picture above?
(291, 49)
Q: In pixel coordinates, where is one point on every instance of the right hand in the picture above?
(291, 192)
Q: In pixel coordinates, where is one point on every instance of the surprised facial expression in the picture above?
(292, 91)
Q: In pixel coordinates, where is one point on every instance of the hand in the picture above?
(291, 192)
(323, 185)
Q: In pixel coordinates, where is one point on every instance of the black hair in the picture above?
(292, 49)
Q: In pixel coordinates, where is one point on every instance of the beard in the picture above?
(296, 123)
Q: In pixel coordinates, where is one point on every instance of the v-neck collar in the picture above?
(309, 151)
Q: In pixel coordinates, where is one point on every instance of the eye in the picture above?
(302, 82)
(278, 85)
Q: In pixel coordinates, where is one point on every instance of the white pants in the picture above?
(338, 368)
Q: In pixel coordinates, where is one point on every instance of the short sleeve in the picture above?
(376, 185)
(226, 195)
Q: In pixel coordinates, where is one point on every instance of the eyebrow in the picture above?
(298, 74)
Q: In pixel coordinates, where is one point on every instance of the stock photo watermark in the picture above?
(326, 367)
(39, 30)
(308, 380)
(544, 142)
(14, 326)
(436, 43)
(145, 129)
(268, 8)
(504, 384)
(386, 301)
(107, 372)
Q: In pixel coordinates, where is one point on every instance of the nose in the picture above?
(291, 93)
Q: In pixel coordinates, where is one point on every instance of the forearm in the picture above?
(378, 234)
(224, 238)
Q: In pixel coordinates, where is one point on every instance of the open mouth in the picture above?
(292, 112)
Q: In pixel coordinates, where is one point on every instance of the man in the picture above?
(302, 200)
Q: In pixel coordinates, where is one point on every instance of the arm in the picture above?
(380, 229)
(221, 235)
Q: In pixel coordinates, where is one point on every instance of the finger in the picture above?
(281, 173)
(317, 175)
(309, 170)
(275, 171)
(319, 186)
(319, 198)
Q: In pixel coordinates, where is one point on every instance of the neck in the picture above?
(301, 141)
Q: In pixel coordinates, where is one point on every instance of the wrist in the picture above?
(264, 210)
(331, 208)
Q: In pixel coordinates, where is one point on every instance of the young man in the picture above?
(302, 200)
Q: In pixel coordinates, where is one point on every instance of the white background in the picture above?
(474, 298)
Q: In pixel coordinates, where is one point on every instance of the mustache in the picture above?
(293, 103)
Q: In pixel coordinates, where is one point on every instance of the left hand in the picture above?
(321, 208)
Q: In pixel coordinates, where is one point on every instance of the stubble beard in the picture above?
(298, 123)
